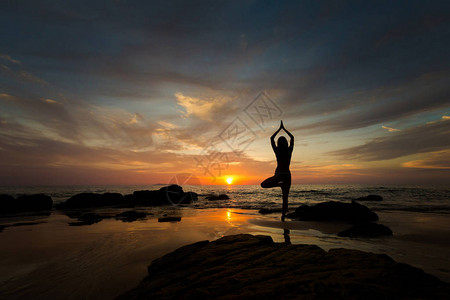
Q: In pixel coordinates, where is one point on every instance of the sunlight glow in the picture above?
(229, 180)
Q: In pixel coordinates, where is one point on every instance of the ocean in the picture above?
(403, 198)
(44, 257)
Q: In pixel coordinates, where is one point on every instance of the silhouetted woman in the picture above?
(282, 177)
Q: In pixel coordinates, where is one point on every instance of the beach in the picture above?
(47, 258)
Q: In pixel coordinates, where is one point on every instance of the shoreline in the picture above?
(53, 257)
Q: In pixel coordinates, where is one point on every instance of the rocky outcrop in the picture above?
(366, 230)
(130, 216)
(334, 211)
(168, 195)
(217, 197)
(25, 203)
(370, 198)
(87, 200)
(87, 219)
(247, 266)
(7, 204)
(21, 224)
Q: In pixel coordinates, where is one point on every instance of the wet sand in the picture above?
(54, 260)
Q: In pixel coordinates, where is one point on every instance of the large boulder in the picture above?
(366, 230)
(87, 200)
(25, 203)
(254, 267)
(370, 198)
(7, 204)
(334, 211)
(168, 195)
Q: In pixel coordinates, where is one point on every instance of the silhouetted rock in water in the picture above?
(87, 219)
(366, 230)
(21, 224)
(169, 219)
(189, 197)
(86, 200)
(266, 211)
(334, 211)
(130, 216)
(219, 197)
(25, 203)
(370, 198)
(168, 195)
(35, 202)
(7, 204)
(247, 266)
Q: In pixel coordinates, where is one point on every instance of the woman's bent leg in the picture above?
(270, 182)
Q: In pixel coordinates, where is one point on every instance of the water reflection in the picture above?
(228, 216)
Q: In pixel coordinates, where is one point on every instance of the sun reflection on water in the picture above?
(228, 216)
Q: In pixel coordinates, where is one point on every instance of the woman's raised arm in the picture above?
(272, 138)
(291, 145)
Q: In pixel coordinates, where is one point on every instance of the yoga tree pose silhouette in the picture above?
(282, 177)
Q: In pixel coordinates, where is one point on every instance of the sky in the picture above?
(149, 92)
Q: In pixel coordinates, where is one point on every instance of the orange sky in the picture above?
(138, 94)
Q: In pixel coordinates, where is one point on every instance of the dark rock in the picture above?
(246, 266)
(370, 198)
(169, 219)
(130, 216)
(86, 200)
(5, 198)
(168, 195)
(147, 198)
(366, 230)
(35, 202)
(189, 197)
(25, 203)
(266, 211)
(27, 223)
(219, 197)
(87, 219)
(129, 199)
(7, 204)
(21, 224)
(334, 211)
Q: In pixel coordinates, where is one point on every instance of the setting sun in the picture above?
(229, 180)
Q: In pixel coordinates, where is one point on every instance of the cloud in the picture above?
(330, 75)
(421, 139)
(434, 160)
(424, 93)
(390, 129)
(51, 101)
(204, 109)
(10, 59)
(22, 75)
(136, 119)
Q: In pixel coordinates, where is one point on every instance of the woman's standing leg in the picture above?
(285, 190)
(285, 187)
